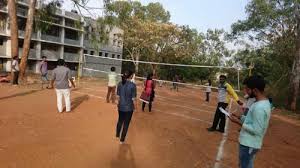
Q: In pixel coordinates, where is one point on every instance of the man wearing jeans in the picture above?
(255, 123)
(61, 76)
(225, 90)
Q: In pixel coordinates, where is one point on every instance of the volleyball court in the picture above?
(178, 85)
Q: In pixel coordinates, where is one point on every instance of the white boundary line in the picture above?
(175, 114)
(219, 156)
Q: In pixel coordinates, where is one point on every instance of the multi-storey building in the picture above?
(68, 37)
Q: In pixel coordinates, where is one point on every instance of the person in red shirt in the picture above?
(149, 89)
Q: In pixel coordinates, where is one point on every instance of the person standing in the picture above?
(44, 71)
(112, 83)
(149, 89)
(225, 90)
(249, 100)
(126, 92)
(255, 124)
(15, 70)
(208, 90)
(61, 77)
(175, 82)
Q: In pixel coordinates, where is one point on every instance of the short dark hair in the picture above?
(15, 57)
(256, 82)
(223, 76)
(60, 62)
(113, 69)
(44, 57)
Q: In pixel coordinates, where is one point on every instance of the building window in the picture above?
(92, 53)
(118, 56)
(100, 54)
(106, 54)
(113, 55)
(1, 41)
(85, 51)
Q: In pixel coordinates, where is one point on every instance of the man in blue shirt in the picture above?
(254, 124)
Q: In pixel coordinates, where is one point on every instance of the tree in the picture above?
(274, 24)
(12, 12)
(27, 38)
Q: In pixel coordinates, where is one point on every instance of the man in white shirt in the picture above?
(15, 69)
(112, 83)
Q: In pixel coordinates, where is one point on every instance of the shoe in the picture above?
(121, 143)
(222, 131)
(210, 129)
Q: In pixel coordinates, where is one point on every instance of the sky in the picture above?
(199, 14)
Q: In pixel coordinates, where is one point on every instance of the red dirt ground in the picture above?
(35, 135)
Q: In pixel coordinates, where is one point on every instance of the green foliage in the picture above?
(44, 15)
(272, 24)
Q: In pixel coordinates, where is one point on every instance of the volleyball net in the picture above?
(166, 74)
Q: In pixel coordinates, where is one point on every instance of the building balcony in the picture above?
(71, 57)
(22, 34)
(51, 38)
(3, 8)
(58, 11)
(32, 53)
(22, 12)
(72, 15)
(24, 1)
(51, 54)
(2, 51)
(72, 42)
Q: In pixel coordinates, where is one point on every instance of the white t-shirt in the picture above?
(112, 79)
(207, 88)
(133, 79)
(249, 102)
(15, 64)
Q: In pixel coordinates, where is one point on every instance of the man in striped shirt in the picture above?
(225, 91)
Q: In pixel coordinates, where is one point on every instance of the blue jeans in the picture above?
(44, 77)
(247, 155)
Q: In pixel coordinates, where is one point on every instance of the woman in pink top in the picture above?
(149, 89)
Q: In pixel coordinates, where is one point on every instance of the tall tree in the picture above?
(12, 12)
(274, 24)
(27, 38)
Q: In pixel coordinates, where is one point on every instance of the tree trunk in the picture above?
(12, 13)
(27, 38)
(295, 75)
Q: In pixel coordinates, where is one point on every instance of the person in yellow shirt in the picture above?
(225, 91)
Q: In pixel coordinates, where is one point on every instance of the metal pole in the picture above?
(239, 79)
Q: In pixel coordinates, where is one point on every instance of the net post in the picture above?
(238, 70)
(79, 72)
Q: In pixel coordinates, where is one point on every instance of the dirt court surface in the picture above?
(34, 135)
